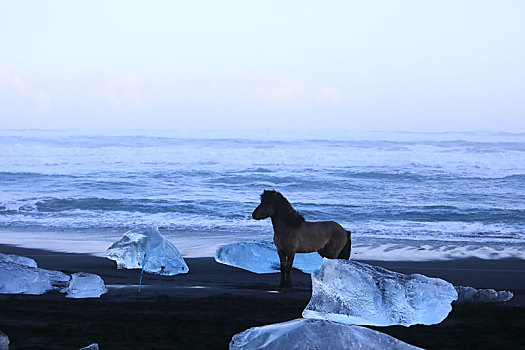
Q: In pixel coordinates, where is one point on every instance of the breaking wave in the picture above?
(461, 186)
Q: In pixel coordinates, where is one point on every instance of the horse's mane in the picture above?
(281, 205)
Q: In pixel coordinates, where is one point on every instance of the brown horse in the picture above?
(293, 234)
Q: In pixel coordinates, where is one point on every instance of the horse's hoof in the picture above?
(284, 289)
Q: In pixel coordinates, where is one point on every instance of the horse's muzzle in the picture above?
(258, 216)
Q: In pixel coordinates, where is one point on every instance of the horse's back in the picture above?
(316, 235)
(330, 228)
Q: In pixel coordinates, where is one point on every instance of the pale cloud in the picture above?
(39, 98)
(271, 89)
(131, 88)
(19, 85)
(123, 88)
(329, 94)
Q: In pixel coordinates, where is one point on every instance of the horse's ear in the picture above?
(268, 194)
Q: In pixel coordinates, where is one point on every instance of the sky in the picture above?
(342, 65)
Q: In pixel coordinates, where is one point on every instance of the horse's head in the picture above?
(267, 206)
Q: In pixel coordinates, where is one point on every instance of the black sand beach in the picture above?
(204, 309)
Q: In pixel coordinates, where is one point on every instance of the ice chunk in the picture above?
(85, 285)
(303, 333)
(262, 257)
(473, 295)
(22, 279)
(19, 275)
(357, 293)
(22, 260)
(4, 341)
(93, 346)
(162, 257)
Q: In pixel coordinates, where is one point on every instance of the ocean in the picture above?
(402, 194)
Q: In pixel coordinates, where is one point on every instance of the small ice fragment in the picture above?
(93, 346)
(262, 257)
(357, 293)
(473, 295)
(4, 341)
(22, 279)
(162, 257)
(21, 260)
(85, 285)
(303, 333)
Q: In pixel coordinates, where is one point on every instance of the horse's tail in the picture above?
(345, 253)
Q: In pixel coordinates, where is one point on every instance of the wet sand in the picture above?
(205, 308)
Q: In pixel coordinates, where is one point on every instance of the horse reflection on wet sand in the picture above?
(293, 234)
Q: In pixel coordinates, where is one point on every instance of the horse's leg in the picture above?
(289, 264)
(282, 258)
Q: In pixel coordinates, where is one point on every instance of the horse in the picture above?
(293, 234)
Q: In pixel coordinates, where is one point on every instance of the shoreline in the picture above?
(508, 274)
(205, 308)
(199, 244)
